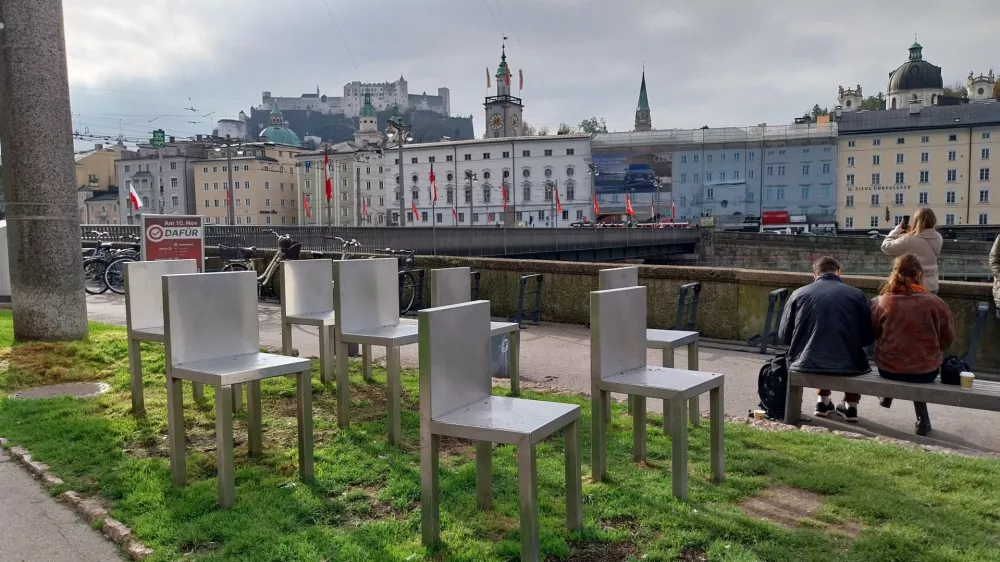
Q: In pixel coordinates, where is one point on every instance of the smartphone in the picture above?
(906, 222)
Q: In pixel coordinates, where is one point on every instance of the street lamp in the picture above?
(229, 144)
(401, 133)
(471, 178)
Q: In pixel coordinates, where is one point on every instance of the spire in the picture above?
(368, 110)
(502, 69)
(916, 51)
(643, 101)
(396, 117)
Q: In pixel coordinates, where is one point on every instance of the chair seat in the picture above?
(401, 334)
(661, 382)
(239, 368)
(148, 334)
(324, 318)
(669, 339)
(500, 419)
(498, 328)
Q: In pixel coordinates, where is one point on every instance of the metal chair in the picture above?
(212, 336)
(454, 286)
(307, 300)
(367, 310)
(456, 401)
(665, 340)
(618, 364)
(144, 315)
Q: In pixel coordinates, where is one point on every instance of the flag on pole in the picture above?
(673, 212)
(326, 176)
(503, 194)
(597, 208)
(507, 77)
(305, 205)
(134, 198)
(558, 202)
(489, 84)
(228, 199)
(489, 217)
(652, 210)
(520, 79)
(454, 213)
(628, 206)
(434, 185)
(413, 205)
(364, 208)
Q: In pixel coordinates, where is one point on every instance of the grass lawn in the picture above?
(875, 502)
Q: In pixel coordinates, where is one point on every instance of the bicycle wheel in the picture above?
(234, 267)
(407, 292)
(93, 276)
(114, 275)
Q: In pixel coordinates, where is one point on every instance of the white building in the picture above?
(469, 175)
(383, 96)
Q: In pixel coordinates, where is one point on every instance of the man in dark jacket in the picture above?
(827, 325)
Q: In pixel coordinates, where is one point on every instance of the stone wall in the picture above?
(858, 255)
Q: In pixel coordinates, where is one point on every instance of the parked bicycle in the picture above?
(238, 258)
(348, 247)
(407, 281)
(103, 269)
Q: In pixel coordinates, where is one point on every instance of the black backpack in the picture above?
(772, 387)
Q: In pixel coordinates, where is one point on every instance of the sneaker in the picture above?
(849, 413)
(823, 408)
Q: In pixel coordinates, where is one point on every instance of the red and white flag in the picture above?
(454, 213)
(326, 175)
(489, 84)
(434, 184)
(597, 208)
(558, 202)
(520, 79)
(228, 198)
(503, 194)
(507, 77)
(305, 205)
(134, 198)
(364, 208)
(416, 216)
(628, 206)
(652, 210)
(673, 213)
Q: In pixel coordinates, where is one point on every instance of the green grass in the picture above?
(364, 502)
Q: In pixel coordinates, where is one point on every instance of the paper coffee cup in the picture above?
(758, 414)
(966, 379)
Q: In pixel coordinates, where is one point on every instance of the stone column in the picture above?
(46, 269)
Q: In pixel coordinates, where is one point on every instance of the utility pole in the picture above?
(159, 157)
(232, 192)
(357, 188)
(326, 178)
(47, 295)
(402, 194)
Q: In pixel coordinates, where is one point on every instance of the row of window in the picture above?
(174, 202)
(925, 177)
(924, 139)
(487, 174)
(246, 185)
(247, 220)
(925, 157)
(210, 203)
(490, 217)
(144, 183)
(923, 198)
(874, 221)
(486, 156)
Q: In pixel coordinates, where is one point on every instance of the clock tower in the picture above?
(503, 111)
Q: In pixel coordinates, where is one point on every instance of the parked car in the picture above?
(639, 175)
(584, 222)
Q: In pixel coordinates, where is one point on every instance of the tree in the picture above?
(543, 131)
(873, 103)
(815, 112)
(956, 90)
(592, 125)
(565, 129)
(528, 130)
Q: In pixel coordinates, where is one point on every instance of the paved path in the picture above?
(36, 528)
(558, 355)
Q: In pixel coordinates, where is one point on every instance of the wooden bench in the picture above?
(984, 395)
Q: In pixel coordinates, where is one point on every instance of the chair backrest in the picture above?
(144, 290)
(617, 278)
(210, 315)
(305, 287)
(454, 348)
(617, 331)
(367, 293)
(451, 286)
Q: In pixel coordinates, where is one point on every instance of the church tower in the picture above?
(643, 122)
(368, 132)
(503, 111)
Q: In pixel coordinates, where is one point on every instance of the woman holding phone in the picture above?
(918, 237)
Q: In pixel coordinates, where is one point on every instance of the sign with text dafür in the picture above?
(173, 237)
(626, 172)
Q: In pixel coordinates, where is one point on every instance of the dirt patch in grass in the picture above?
(599, 552)
(39, 363)
(363, 504)
(792, 507)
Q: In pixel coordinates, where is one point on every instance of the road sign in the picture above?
(158, 138)
(173, 237)
(308, 164)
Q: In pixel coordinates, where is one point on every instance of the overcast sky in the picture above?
(714, 62)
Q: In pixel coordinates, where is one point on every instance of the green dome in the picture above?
(280, 135)
(368, 110)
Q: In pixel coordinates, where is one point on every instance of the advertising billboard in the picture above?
(625, 172)
(173, 237)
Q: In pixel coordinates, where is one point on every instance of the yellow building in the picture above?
(895, 161)
(264, 185)
(97, 184)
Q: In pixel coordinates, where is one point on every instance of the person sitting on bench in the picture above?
(912, 327)
(827, 326)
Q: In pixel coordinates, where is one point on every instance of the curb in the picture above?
(91, 510)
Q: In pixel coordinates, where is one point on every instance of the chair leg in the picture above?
(286, 339)
(515, 362)
(527, 484)
(484, 475)
(255, 429)
(304, 417)
(198, 391)
(175, 431)
(325, 354)
(717, 409)
(678, 439)
(392, 369)
(694, 410)
(430, 523)
(366, 361)
(598, 434)
(224, 445)
(135, 376)
(639, 428)
(343, 386)
(668, 362)
(237, 398)
(574, 485)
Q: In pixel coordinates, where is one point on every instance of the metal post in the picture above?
(357, 187)
(402, 205)
(471, 195)
(326, 177)
(232, 192)
(39, 178)
(336, 199)
(159, 160)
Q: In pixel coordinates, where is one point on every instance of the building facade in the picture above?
(896, 161)
(143, 169)
(265, 186)
(97, 184)
(384, 95)
(471, 175)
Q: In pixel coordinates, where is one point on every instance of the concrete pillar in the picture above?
(43, 239)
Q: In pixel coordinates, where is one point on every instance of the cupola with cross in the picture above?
(503, 111)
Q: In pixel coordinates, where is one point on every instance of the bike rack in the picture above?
(519, 317)
(475, 285)
(418, 297)
(695, 289)
(982, 312)
(779, 296)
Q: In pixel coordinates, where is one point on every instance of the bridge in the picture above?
(562, 244)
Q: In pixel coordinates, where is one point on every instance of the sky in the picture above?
(135, 66)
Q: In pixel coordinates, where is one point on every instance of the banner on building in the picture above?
(774, 217)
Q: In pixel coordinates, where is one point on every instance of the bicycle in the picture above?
(407, 281)
(241, 259)
(103, 258)
(348, 247)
